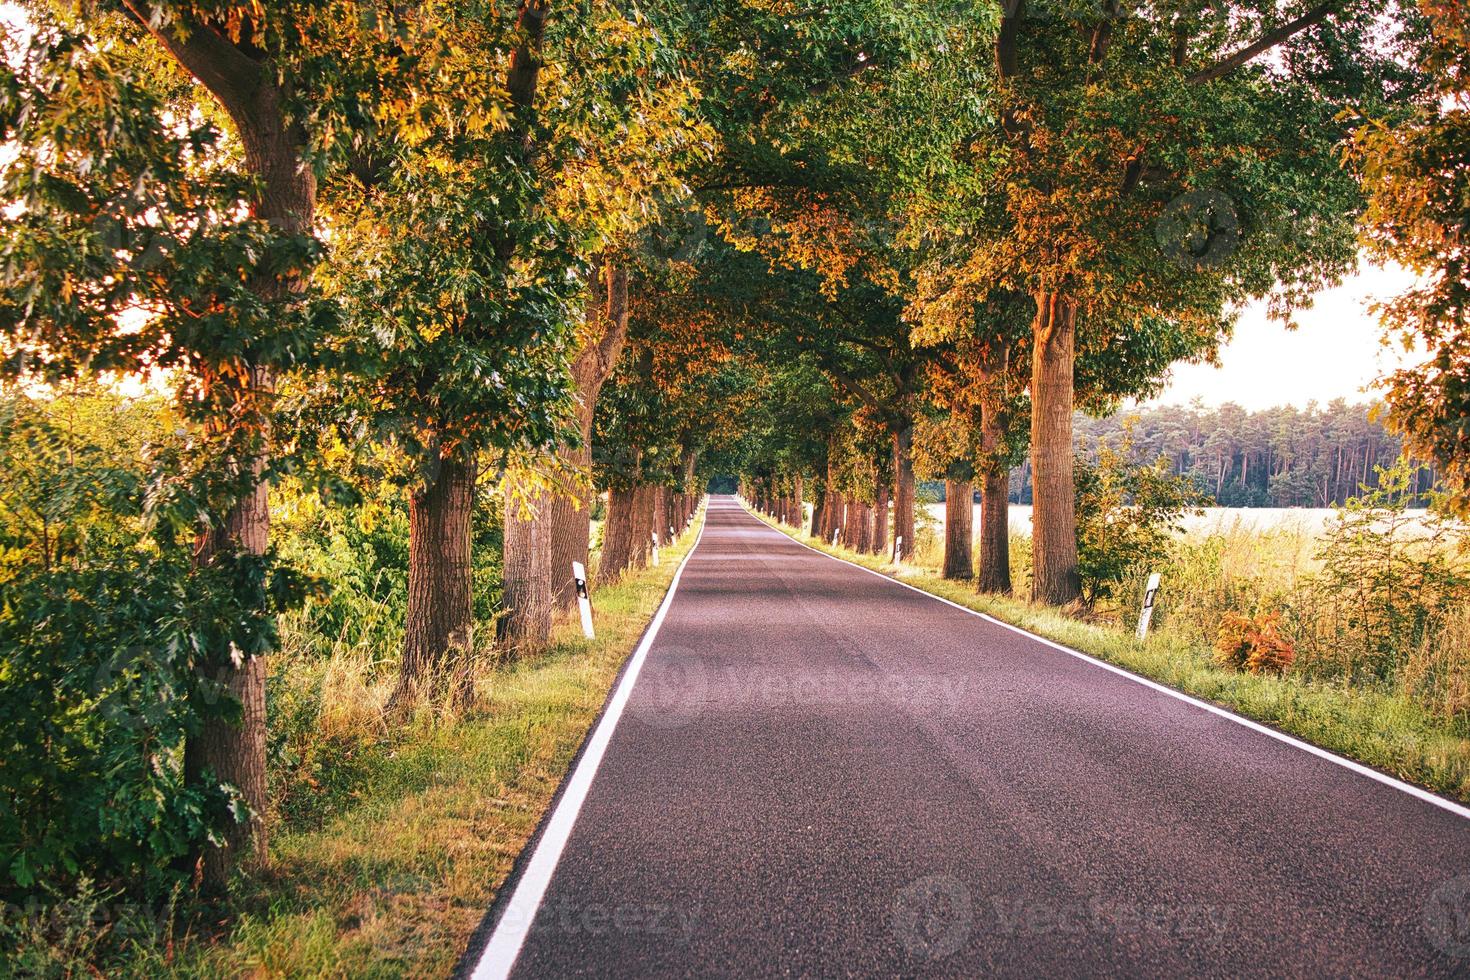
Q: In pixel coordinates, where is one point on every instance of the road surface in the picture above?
(814, 771)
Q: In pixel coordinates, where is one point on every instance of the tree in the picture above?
(1152, 165)
(1417, 179)
(124, 207)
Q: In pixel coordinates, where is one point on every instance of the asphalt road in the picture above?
(819, 772)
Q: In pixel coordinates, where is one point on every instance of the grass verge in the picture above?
(1389, 732)
(394, 877)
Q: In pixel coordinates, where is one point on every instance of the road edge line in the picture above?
(503, 947)
(1418, 792)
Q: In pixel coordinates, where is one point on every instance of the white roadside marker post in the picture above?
(835, 531)
(672, 535)
(898, 549)
(653, 535)
(1148, 605)
(584, 601)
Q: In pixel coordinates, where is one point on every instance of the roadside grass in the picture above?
(409, 832)
(1389, 731)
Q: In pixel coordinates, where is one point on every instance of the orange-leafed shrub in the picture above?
(1253, 644)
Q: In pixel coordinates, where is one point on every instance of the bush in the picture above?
(1254, 645)
(1126, 515)
(1389, 583)
(109, 644)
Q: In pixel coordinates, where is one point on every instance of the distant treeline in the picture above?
(1318, 456)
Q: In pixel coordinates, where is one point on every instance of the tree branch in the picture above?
(1006, 42)
(857, 388)
(525, 61)
(229, 74)
(1266, 42)
(862, 64)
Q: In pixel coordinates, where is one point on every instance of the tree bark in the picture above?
(642, 524)
(1054, 519)
(617, 536)
(565, 519)
(858, 531)
(438, 630)
(837, 501)
(819, 508)
(995, 541)
(661, 515)
(690, 496)
(880, 520)
(903, 499)
(959, 547)
(526, 572)
(235, 753)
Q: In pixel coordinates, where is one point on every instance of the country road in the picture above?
(811, 770)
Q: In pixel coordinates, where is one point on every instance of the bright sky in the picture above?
(1335, 352)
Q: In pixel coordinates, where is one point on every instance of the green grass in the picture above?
(1390, 732)
(390, 876)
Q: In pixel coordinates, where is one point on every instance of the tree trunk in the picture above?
(234, 752)
(438, 630)
(617, 536)
(838, 502)
(903, 499)
(1054, 518)
(661, 515)
(690, 496)
(642, 524)
(798, 505)
(565, 519)
(959, 517)
(995, 540)
(995, 480)
(819, 508)
(526, 573)
(880, 520)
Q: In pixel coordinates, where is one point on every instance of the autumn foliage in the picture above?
(1254, 644)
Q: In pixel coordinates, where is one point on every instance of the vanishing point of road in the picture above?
(808, 769)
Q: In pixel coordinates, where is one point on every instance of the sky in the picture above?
(1335, 351)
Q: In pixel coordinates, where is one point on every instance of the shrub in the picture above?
(1126, 515)
(1389, 582)
(1253, 644)
(110, 640)
(1234, 567)
(1438, 673)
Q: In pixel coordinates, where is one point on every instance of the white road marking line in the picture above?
(1215, 709)
(505, 943)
